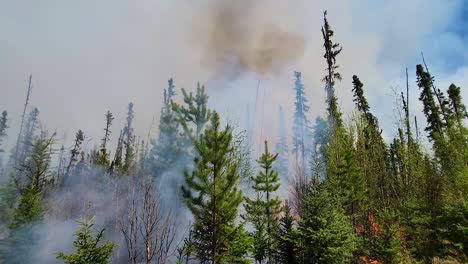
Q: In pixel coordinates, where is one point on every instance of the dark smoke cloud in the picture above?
(239, 36)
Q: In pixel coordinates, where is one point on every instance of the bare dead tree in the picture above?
(20, 133)
(157, 226)
(149, 229)
(129, 227)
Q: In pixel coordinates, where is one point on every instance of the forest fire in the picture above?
(254, 168)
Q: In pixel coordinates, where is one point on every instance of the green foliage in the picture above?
(8, 196)
(263, 211)
(256, 216)
(195, 112)
(241, 244)
(380, 240)
(332, 50)
(211, 193)
(29, 209)
(325, 234)
(89, 248)
(286, 236)
(76, 150)
(102, 158)
(431, 111)
(453, 230)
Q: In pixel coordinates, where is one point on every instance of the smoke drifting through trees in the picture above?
(234, 37)
(356, 208)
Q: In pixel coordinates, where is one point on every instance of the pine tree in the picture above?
(195, 112)
(89, 246)
(211, 193)
(265, 184)
(325, 235)
(255, 214)
(301, 126)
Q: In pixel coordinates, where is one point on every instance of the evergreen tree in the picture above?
(116, 165)
(28, 135)
(195, 112)
(456, 106)
(256, 216)
(76, 150)
(331, 52)
(168, 94)
(169, 147)
(89, 246)
(211, 194)
(8, 197)
(325, 234)
(3, 127)
(103, 156)
(281, 164)
(286, 236)
(32, 185)
(129, 140)
(301, 126)
(265, 184)
(431, 111)
(371, 150)
(320, 141)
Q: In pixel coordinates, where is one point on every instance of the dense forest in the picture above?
(196, 194)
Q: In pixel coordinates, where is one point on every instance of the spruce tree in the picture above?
(76, 150)
(212, 195)
(301, 125)
(371, 150)
(116, 165)
(319, 145)
(431, 111)
(281, 164)
(169, 147)
(332, 50)
(3, 127)
(286, 252)
(129, 140)
(325, 234)
(89, 246)
(456, 106)
(27, 138)
(103, 156)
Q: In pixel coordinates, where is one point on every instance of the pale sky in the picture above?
(90, 56)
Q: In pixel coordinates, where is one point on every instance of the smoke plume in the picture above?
(239, 36)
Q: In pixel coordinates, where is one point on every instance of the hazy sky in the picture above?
(90, 56)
